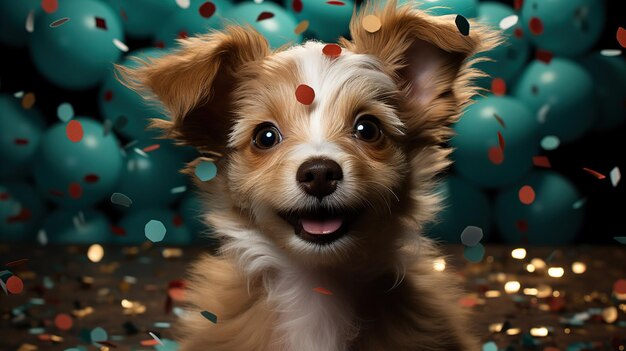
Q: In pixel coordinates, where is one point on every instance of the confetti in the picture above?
(498, 86)
(471, 235)
(108, 95)
(596, 174)
(178, 189)
(30, 22)
(462, 24)
(156, 338)
(49, 6)
(207, 9)
(91, 178)
(544, 56)
(65, 112)
(495, 155)
(336, 3)
(151, 147)
(59, 22)
(74, 131)
(501, 142)
(301, 27)
(526, 194)
(155, 231)
(20, 141)
(75, 190)
(621, 36)
(100, 23)
(619, 287)
(183, 4)
(98, 334)
(542, 113)
(120, 45)
(490, 346)
(28, 101)
(264, 15)
(541, 161)
(206, 170)
(14, 285)
(296, 5)
(322, 291)
(508, 22)
(579, 203)
(16, 262)
(610, 52)
(140, 152)
(121, 199)
(615, 175)
(500, 120)
(536, 26)
(305, 94)
(474, 253)
(371, 23)
(331, 50)
(550, 142)
(95, 253)
(63, 321)
(210, 316)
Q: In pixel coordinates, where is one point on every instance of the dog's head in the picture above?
(327, 151)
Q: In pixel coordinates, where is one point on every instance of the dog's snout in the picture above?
(319, 176)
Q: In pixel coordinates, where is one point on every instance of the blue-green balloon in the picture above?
(551, 219)
(192, 209)
(117, 102)
(477, 138)
(92, 164)
(563, 89)
(508, 58)
(563, 27)
(77, 226)
(21, 212)
(278, 29)
(327, 21)
(609, 88)
(20, 133)
(464, 205)
(13, 15)
(142, 18)
(78, 54)
(198, 18)
(465, 8)
(135, 222)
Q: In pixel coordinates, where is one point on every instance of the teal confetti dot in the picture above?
(155, 231)
(474, 253)
(167, 345)
(550, 142)
(178, 189)
(206, 171)
(65, 112)
(490, 346)
(162, 325)
(579, 203)
(36, 331)
(121, 199)
(471, 235)
(210, 316)
(98, 334)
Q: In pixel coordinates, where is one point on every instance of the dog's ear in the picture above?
(428, 58)
(195, 84)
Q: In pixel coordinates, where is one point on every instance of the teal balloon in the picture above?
(327, 21)
(125, 108)
(477, 138)
(20, 134)
(463, 205)
(278, 29)
(465, 8)
(77, 226)
(93, 164)
(192, 209)
(565, 89)
(22, 210)
(563, 27)
(134, 225)
(78, 54)
(13, 15)
(609, 89)
(142, 18)
(198, 18)
(552, 219)
(508, 58)
(149, 180)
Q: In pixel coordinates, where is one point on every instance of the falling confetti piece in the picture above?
(59, 22)
(14, 285)
(183, 4)
(140, 152)
(471, 235)
(63, 321)
(120, 45)
(495, 155)
(331, 50)
(121, 199)
(150, 342)
(75, 190)
(517, 4)
(508, 22)
(101, 23)
(594, 173)
(49, 6)
(91, 178)
(74, 131)
(336, 3)
(371, 23)
(526, 195)
(210, 316)
(621, 36)
(264, 15)
(296, 5)
(178, 189)
(620, 239)
(536, 26)
(18, 94)
(28, 101)
(498, 86)
(206, 171)
(155, 231)
(207, 9)
(151, 147)
(65, 112)
(30, 22)
(305, 94)
(500, 120)
(544, 56)
(156, 338)
(541, 161)
(615, 175)
(619, 287)
(462, 24)
(95, 253)
(542, 113)
(610, 52)
(501, 142)
(550, 142)
(474, 253)
(301, 27)
(98, 334)
(579, 203)
(16, 262)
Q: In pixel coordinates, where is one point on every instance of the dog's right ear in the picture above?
(195, 84)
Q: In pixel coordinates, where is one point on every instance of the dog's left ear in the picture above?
(427, 56)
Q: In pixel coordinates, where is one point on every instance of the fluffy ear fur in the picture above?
(195, 84)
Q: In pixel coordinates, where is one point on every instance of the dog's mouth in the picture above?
(320, 226)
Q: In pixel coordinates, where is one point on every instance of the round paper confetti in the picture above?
(498, 86)
(210, 316)
(305, 94)
(14, 284)
(74, 131)
(496, 155)
(121, 199)
(550, 142)
(155, 231)
(474, 253)
(296, 5)
(301, 27)
(75, 190)
(49, 6)
(331, 50)
(371, 23)
(620, 286)
(610, 52)
(207, 9)
(536, 26)
(526, 195)
(120, 45)
(65, 112)
(490, 346)
(621, 36)
(471, 235)
(462, 24)
(206, 171)
(264, 15)
(63, 321)
(28, 101)
(98, 334)
(508, 22)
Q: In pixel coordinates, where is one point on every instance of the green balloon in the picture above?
(142, 18)
(77, 174)
(77, 54)
(551, 219)
(464, 205)
(74, 226)
(477, 143)
(563, 89)
(192, 209)
(13, 16)
(135, 222)
(21, 212)
(277, 29)
(117, 102)
(20, 134)
(327, 20)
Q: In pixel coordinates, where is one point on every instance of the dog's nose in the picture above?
(319, 176)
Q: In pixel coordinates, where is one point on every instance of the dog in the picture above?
(328, 157)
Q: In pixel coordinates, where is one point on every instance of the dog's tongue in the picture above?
(316, 226)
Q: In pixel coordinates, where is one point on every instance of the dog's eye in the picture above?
(266, 136)
(366, 129)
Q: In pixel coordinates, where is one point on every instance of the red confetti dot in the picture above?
(336, 3)
(101, 23)
(518, 4)
(150, 342)
(20, 141)
(522, 225)
(108, 95)
(264, 15)
(541, 161)
(544, 56)
(182, 34)
(526, 195)
(620, 286)
(151, 147)
(23, 216)
(536, 26)
(4, 196)
(468, 301)
(119, 231)
(74, 131)
(75, 190)
(177, 220)
(331, 50)
(495, 154)
(322, 291)
(501, 141)
(63, 321)
(207, 9)
(14, 284)
(621, 36)
(518, 32)
(91, 178)
(594, 173)
(498, 86)
(305, 94)
(49, 6)
(177, 294)
(296, 5)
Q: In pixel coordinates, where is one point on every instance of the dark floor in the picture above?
(579, 308)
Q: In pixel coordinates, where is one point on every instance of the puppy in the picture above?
(327, 160)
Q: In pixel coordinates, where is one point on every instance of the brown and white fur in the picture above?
(414, 76)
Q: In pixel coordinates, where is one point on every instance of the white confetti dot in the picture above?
(610, 52)
(120, 45)
(30, 21)
(508, 22)
(615, 175)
